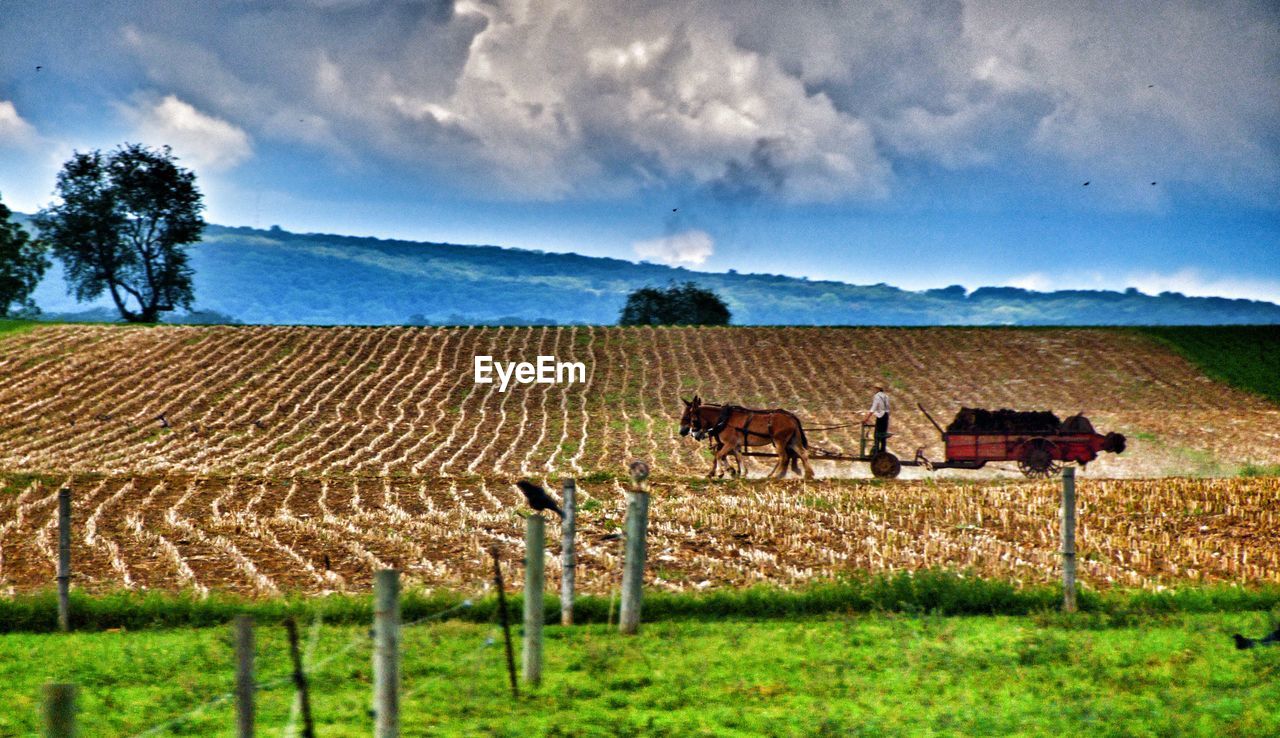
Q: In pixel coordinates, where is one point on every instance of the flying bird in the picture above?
(538, 497)
(1086, 184)
(39, 67)
(1270, 639)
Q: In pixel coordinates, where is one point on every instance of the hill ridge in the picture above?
(277, 277)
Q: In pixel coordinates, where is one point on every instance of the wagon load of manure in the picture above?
(977, 420)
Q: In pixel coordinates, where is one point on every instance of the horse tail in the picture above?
(804, 440)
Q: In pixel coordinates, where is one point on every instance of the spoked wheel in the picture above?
(885, 465)
(1037, 460)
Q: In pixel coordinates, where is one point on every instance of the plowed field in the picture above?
(264, 536)
(272, 459)
(402, 401)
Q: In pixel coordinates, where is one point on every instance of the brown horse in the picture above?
(738, 428)
(698, 419)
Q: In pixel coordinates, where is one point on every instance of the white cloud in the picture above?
(1196, 284)
(1190, 282)
(1035, 281)
(689, 248)
(14, 131)
(201, 141)
(28, 161)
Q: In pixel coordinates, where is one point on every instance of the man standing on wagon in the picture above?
(880, 409)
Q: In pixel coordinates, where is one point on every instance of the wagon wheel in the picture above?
(885, 465)
(1037, 460)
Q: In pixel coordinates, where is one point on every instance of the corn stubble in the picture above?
(265, 460)
(262, 536)
(285, 401)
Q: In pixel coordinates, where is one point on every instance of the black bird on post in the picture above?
(538, 497)
(1268, 640)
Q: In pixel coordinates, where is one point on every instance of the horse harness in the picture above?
(727, 411)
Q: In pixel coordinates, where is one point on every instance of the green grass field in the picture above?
(852, 675)
(1245, 356)
(931, 591)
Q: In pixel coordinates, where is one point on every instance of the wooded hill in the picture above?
(274, 276)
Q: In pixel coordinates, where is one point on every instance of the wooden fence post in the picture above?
(60, 710)
(534, 580)
(244, 676)
(568, 560)
(633, 566)
(1069, 539)
(64, 560)
(386, 654)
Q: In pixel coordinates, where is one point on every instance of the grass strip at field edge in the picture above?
(938, 592)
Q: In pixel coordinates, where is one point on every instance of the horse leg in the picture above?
(801, 453)
(739, 448)
(780, 469)
(726, 447)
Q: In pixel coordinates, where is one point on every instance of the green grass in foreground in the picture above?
(854, 675)
(1245, 356)
(937, 592)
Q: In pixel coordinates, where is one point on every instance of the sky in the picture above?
(1044, 145)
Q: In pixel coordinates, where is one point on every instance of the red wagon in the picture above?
(1039, 451)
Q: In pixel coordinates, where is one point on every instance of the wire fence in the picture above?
(384, 639)
(312, 669)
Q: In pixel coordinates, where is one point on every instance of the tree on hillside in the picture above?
(22, 264)
(682, 304)
(122, 227)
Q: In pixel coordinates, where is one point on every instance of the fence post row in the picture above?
(386, 654)
(534, 552)
(244, 676)
(1069, 539)
(633, 567)
(568, 560)
(60, 710)
(64, 560)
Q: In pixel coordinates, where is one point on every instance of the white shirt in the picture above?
(880, 404)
